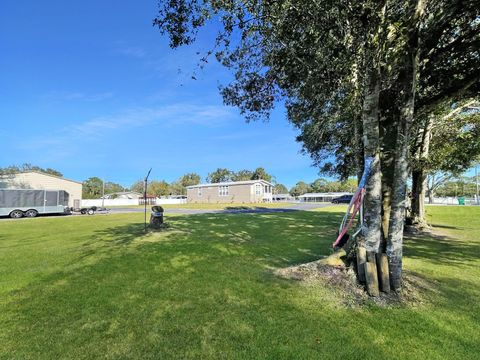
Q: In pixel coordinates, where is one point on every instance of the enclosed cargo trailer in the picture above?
(17, 203)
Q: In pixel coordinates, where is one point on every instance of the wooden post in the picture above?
(361, 260)
(371, 274)
(382, 269)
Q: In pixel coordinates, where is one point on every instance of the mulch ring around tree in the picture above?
(343, 282)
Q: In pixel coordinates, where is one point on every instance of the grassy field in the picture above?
(96, 287)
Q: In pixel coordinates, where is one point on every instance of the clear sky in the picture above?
(91, 88)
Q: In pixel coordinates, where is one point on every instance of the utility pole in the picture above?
(476, 183)
(103, 193)
(145, 196)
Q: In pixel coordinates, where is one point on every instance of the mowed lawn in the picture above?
(97, 287)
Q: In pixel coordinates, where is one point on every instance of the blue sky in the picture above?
(91, 88)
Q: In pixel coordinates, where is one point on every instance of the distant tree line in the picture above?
(93, 188)
(461, 186)
(179, 187)
(222, 175)
(323, 185)
(13, 169)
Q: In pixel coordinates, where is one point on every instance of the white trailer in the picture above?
(17, 203)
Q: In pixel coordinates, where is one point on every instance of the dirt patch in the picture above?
(344, 282)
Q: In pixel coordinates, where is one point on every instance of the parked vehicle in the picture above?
(344, 199)
(90, 210)
(18, 203)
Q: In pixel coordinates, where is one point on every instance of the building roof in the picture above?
(229, 183)
(41, 173)
(325, 194)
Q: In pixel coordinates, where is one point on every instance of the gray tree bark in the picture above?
(371, 142)
(397, 213)
(419, 175)
(388, 133)
(407, 86)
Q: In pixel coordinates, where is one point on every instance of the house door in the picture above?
(51, 198)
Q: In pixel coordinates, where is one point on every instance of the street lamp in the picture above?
(103, 193)
(476, 183)
(145, 196)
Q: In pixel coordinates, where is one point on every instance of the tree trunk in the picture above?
(430, 189)
(388, 136)
(357, 120)
(371, 141)
(359, 156)
(407, 81)
(419, 175)
(419, 189)
(397, 213)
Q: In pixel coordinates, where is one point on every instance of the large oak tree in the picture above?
(349, 74)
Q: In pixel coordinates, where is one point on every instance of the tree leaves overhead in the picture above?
(310, 55)
(449, 57)
(455, 144)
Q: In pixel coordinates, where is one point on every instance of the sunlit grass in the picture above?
(98, 287)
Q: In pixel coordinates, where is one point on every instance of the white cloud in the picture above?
(123, 48)
(76, 96)
(179, 114)
(133, 51)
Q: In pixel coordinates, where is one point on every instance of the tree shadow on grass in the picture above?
(278, 239)
(443, 226)
(441, 249)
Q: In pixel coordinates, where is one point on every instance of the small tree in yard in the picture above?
(280, 189)
(349, 74)
(158, 188)
(261, 174)
(446, 146)
(92, 188)
(179, 187)
(300, 188)
(138, 186)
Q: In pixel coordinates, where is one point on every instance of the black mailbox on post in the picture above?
(156, 217)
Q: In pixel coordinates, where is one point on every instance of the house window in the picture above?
(258, 189)
(199, 191)
(266, 189)
(223, 190)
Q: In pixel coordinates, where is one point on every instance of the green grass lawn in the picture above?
(96, 287)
